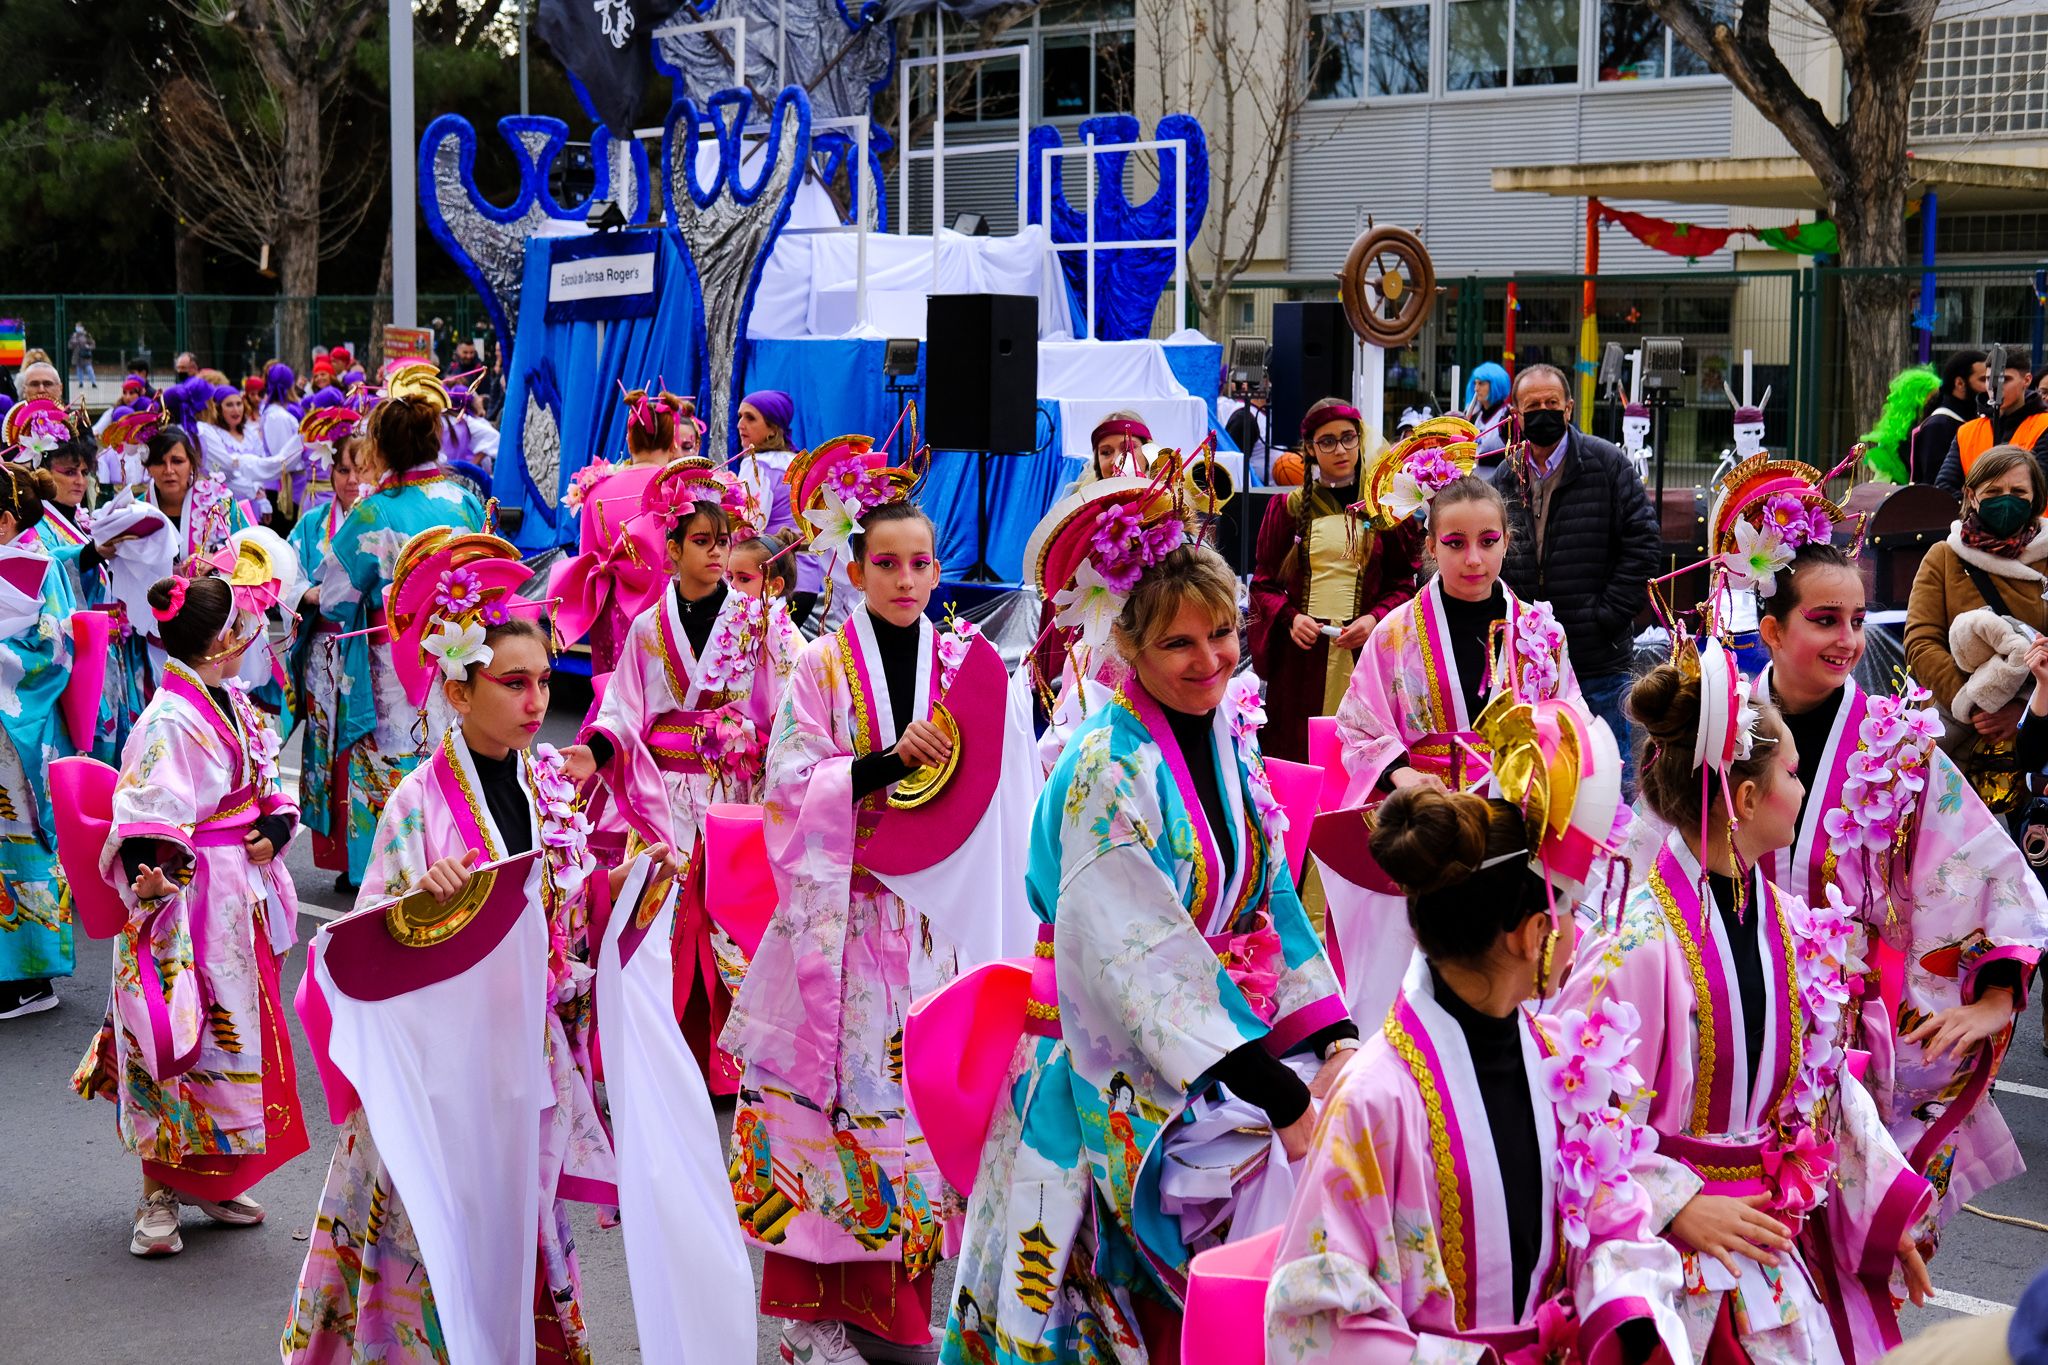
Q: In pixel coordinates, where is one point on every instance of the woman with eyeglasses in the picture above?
(1321, 580)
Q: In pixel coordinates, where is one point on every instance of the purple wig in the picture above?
(278, 381)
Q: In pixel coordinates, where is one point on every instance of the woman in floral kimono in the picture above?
(1772, 1173)
(1188, 1018)
(1461, 1193)
(194, 1051)
(1317, 566)
(443, 1232)
(80, 562)
(617, 572)
(36, 933)
(880, 904)
(384, 732)
(200, 509)
(317, 653)
(1424, 677)
(683, 724)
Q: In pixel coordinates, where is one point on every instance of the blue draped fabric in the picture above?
(1127, 283)
(582, 362)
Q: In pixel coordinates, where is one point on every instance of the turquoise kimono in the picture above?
(128, 679)
(382, 732)
(1173, 944)
(35, 903)
(315, 681)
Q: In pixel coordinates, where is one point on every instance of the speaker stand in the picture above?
(981, 572)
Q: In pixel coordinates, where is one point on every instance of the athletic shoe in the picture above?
(20, 998)
(880, 1351)
(156, 1226)
(819, 1343)
(239, 1212)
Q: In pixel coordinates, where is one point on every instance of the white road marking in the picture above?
(1965, 1303)
(2020, 1088)
(289, 774)
(320, 912)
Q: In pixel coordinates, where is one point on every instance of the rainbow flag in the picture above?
(13, 343)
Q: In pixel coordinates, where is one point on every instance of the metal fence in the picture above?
(1792, 322)
(233, 333)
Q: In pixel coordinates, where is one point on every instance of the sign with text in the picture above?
(608, 275)
(408, 343)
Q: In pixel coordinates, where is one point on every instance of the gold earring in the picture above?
(1543, 961)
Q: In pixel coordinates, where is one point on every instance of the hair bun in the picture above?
(1428, 839)
(1666, 703)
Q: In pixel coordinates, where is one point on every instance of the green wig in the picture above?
(1902, 406)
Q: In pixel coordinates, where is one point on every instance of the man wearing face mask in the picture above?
(1581, 536)
(2021, 420)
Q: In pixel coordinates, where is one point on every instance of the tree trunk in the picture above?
(298, 243)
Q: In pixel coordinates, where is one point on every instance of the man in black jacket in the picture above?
(1583, 537)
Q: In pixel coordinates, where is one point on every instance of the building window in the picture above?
(1495, 44)
(1084, 53)
(1376, 52)
(1982, 78)
(1636, 46)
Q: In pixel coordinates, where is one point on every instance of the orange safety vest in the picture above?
(1974, 437)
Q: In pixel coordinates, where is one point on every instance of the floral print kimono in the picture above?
(1802, 1130)
(366, 1292)
(627, 549)
(1406, 706)
(1895, 830)
(829, 1166)
(194, 1051)
(384, 735)
(36, 934)
(128, 673)
(316, 685)
(1392, 1249)
(1167, 957)
(686, 732)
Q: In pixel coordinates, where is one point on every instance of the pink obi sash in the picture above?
(1253, 959)
(1730, 1168)
(1461, 758)
(225, 827)
(676, 740)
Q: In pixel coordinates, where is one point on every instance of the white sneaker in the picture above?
(818, 1343)
(156, 1226)
(239, 1212)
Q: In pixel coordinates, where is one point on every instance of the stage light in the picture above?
(970, 225)
(604, 216)
(1248, 361)
(899, 357)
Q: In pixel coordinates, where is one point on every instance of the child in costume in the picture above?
(328, 441)
(898, 780)
(1772, 1171)
(1457, 1196)
(195, 1052)
(1425, 675)
(443, 1232)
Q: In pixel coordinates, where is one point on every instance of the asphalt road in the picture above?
(72, 1293)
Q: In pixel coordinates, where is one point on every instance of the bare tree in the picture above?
(1246, 69)
(265, 173)
(1860, 160)
(960, 76)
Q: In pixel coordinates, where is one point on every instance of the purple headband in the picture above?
(1329, 412)
(774, 405)
(223, 392)
(1120, 426)
(278, 381)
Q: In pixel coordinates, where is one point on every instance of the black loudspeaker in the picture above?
(1310, 361)
(981, 372)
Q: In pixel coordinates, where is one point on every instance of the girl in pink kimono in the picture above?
(1426, 673)
(194, 1051)
(880, 904)
(1772, 1173)
(683, 724)
(1935, 884)
(1468, 1194)
(443, 1232)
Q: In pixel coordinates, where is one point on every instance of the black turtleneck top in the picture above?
(898, 647)
(1745, 947)
(1495, 1046)
(1470, 626)
(505, 797)
(699, 616)
(1196, 738)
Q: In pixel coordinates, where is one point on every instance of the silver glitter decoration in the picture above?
(728, 240)
(837, 66)
(499, 249)
(541, 443)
